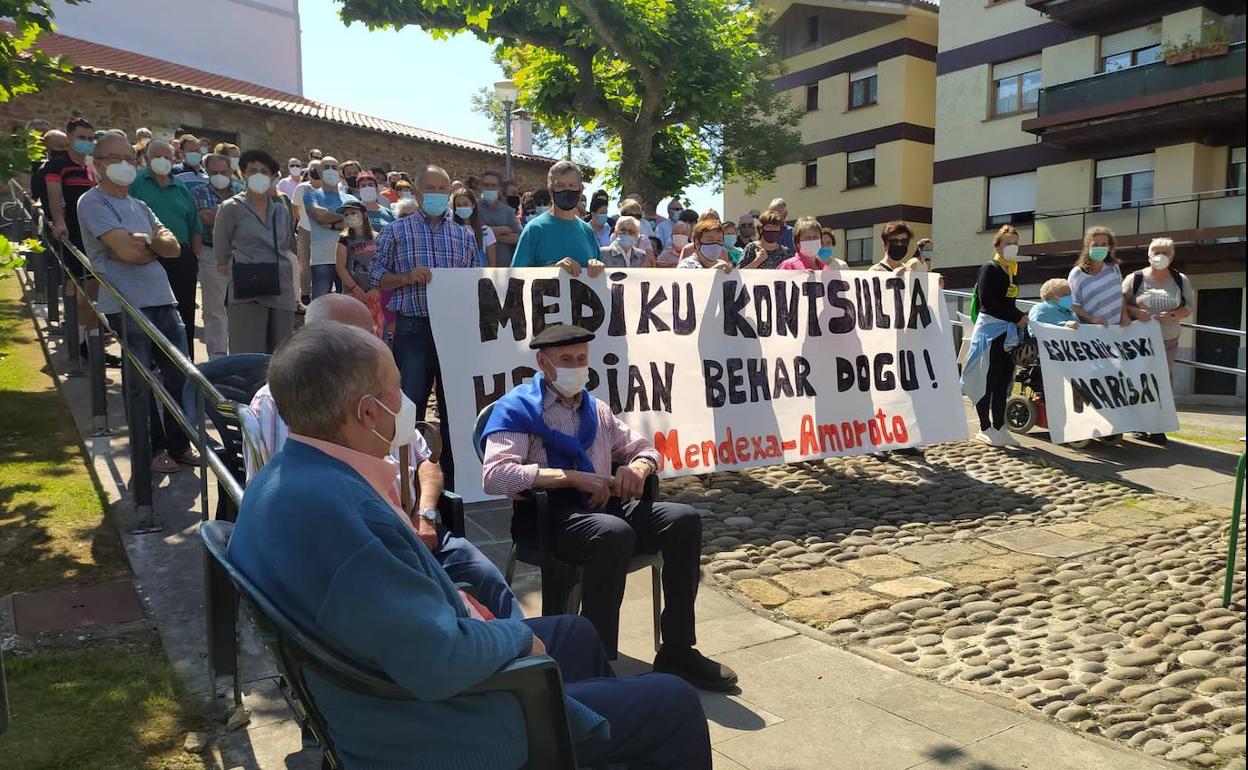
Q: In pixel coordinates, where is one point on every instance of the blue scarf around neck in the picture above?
(520, 411)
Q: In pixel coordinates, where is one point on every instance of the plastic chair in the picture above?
(561, 580)
(236, 377)
(535, 681)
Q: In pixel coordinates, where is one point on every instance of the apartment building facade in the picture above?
(865, 72)
(1056, 115)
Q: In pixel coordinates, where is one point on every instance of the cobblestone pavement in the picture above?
(1094, 603)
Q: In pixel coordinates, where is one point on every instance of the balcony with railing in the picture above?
(1078, 12)
(1206, 217)
(1150, 105)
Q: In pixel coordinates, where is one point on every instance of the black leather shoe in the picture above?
(696, 669)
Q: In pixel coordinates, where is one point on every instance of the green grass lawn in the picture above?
(54, 526)
(107, 706)
(104, 705)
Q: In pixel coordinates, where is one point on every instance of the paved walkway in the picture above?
(804, 702)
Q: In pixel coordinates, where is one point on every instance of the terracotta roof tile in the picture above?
(105, 61)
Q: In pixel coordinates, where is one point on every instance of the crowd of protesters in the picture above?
(183, 223)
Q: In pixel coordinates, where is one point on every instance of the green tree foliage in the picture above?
(24, 69)
(676, 84)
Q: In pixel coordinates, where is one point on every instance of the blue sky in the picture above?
(406, 76)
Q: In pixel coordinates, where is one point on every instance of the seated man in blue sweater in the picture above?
(322, 534)
(462, 560)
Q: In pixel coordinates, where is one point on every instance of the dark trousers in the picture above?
(991, 408)
(465, 563)
(167, 435)
(603, 542)
(656, 720)
(183, 272)
(417, 359)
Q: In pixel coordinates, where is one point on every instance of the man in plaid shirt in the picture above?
(213, 282)
(407, 250)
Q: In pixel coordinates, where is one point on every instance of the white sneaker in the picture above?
(1006, 437)
(988, 437)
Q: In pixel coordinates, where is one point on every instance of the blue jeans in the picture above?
(417, 359)
(325, 279)
(465, 563)
(166, 434)
(656, 720)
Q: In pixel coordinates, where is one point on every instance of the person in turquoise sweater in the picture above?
(1056, 306)
(559, 237)
(364, 583)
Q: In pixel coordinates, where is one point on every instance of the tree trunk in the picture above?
(636, 148)
(570, 135)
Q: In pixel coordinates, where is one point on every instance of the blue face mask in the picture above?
(730, 241)
(1067, 302)
(193, 158)
(600, 218)
(434, 204)
(825, 253)
(1098, 253)
(489, 195)
(463, 212)
(627, 241)
(84, 146)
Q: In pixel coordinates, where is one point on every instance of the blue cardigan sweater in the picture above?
(320, 543)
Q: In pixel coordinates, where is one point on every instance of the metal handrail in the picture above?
(960, 296)
(1225, 192)
(133, 315)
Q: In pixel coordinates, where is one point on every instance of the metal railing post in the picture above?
(69, 330)
(51, 285)
(99, 384)
(39, 272)
(138, 410)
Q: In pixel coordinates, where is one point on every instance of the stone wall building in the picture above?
(119, 89)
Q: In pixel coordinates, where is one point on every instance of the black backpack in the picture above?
(1137, 280)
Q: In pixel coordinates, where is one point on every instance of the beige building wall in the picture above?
(964, 125)
(905, 94)
(964, 22)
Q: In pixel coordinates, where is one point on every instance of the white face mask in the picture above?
(219, 181)
(259, 183)
(405, 195)
(330, 176)
(1010, 251)
(161, 166)
(1159, 261)
(679, 240)
(355, 220)
(570, 381)
(295, 171)
(368, 194)
(810, 248)
(121, 173)
(404, 421)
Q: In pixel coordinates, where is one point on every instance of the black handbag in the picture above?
(257, 279)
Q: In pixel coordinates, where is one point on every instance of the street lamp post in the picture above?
(507, 92)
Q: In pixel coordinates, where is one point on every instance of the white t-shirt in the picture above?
(286, 186)
(297, 198)
(488, 238)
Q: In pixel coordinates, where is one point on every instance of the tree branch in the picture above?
(650, 77)
(587, 97)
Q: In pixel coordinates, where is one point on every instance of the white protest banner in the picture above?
(1105, 380)
(721, 371)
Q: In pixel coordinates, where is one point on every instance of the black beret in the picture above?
(558, 335)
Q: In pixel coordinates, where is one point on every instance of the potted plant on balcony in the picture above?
(1214, 41)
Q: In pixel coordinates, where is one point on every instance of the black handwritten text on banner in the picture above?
(1102, 381)
(721, 371)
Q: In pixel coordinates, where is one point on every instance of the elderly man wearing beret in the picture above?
(551, 433)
